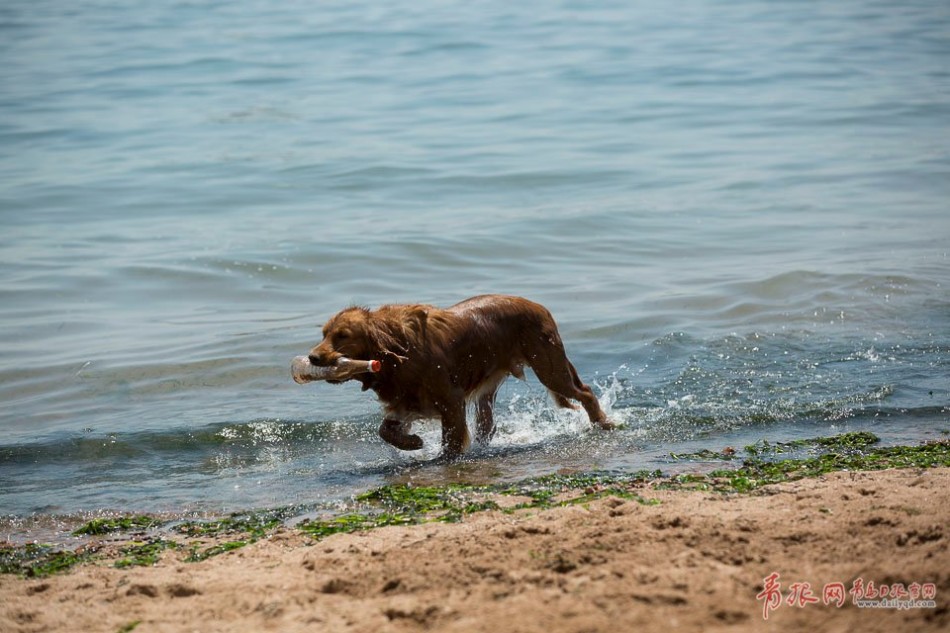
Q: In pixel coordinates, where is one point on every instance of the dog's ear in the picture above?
(395, 334)
(387, 338)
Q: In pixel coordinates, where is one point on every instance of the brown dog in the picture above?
(434, 361)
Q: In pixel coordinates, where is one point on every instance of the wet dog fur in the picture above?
(435, 361)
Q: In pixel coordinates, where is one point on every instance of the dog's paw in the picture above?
(411, 443)
(405, 442)
(392, 432)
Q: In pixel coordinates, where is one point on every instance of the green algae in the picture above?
(544, 490)
(143, 553)
(35, 560)
(355, 522)
(98, 527)
(755, 472)
(704, 455)
(197, 554)
(254, 524)
(558, 490)
(409, 499)
(38, 560)
(248, 527)
(405, 504)
(846, 441)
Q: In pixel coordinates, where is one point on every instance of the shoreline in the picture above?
(565, 553)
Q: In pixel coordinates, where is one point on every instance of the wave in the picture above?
(525, 418)
(801, 300)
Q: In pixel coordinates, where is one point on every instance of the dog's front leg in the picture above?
(396, 432)
(455, 438)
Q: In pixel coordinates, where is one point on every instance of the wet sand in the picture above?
(691, 561)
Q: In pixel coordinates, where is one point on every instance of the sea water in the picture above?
(739, 214)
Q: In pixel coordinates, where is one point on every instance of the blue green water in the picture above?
(739, 214)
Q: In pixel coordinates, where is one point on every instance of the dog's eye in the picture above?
(341, 336)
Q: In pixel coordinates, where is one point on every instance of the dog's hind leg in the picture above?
(484, 417)
(484, 399)
(555, 371)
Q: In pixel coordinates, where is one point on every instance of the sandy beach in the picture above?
(801, 553)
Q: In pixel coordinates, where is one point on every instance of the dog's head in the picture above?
(386, 335)
(349, 334)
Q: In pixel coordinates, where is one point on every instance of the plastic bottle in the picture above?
(304, 371)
